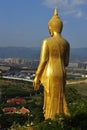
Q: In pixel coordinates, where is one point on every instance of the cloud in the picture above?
(64, 3)
(65, 22)
(50, 3)
(79, 2)
(69, 12)
(67, 7)
(79, 14)
(85, 18)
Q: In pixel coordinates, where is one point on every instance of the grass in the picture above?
(27, 86)
(81, 88)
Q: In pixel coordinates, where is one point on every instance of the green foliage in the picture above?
(1, 112)
(76, 102)
(77, 122)
(7, 120)
(11, 88)
(72, 95)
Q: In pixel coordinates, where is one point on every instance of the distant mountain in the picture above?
(34, 53)
(19, 52)
(78, 54)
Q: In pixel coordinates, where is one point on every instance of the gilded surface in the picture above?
(51, 70)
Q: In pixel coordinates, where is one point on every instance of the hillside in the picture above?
(12, 89)
(34, 53)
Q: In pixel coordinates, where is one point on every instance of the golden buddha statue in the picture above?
(51, 71)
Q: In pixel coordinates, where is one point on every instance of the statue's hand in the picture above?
(36, 83)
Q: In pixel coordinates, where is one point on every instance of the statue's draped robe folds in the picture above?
(51, 72)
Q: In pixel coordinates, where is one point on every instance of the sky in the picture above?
(24, 23)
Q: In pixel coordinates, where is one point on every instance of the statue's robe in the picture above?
(52, 74)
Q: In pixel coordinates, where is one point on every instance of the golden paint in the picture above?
(51, 70)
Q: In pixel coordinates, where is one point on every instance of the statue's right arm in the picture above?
(43, 59)
(67, 54)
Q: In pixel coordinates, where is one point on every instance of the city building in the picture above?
(82, 65)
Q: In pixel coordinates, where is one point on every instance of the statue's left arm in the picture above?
(42, 64)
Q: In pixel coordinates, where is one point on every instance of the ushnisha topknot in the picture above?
(55, 11)
(55, 22)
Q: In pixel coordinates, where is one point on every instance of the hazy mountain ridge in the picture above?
(34, 53)
(19, 52)
(78, 54)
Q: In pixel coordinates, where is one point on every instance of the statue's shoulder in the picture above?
(46, 40)
(66, 42)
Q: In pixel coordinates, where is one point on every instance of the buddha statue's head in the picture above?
(55, 24)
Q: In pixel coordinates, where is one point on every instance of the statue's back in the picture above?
(51, 70)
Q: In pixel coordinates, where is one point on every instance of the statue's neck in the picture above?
(56, 34)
